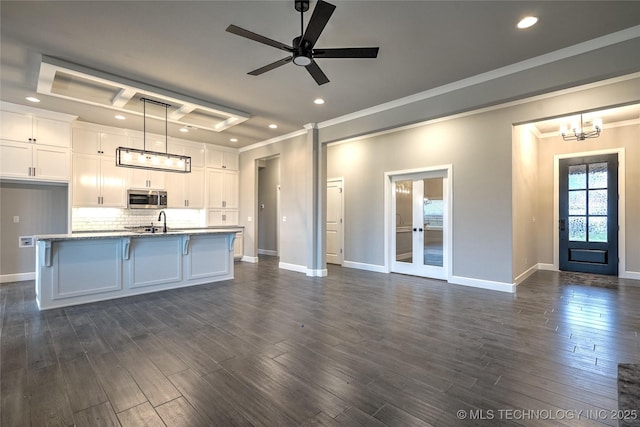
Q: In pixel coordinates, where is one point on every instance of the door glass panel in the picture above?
(577, 177)
(404, 221)
(598, 229)
(598, 175)
(433, 214)
(597, 202)
(578, 228)
(577, 202)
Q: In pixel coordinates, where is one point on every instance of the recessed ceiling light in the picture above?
(234, 140)
(183, 129)
(318, 101)
(32, 99)
(273, 126)
(120, 117)
(527, 22)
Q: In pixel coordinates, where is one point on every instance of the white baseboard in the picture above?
(483, 284)
(635, 275)
(547, 267)
(293, 267)
(267, 252)
(17, 277)
(251, 259)
(522, 277)
(364, 266)
(317, 273)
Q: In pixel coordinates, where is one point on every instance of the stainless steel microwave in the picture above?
(146, 199)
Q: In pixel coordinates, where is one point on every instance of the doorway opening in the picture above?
(268, 173)
(420, 237)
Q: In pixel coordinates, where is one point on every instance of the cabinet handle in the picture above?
(224, 167)
(34, 170)
(29, 170)
(224, 217)
(224, 203)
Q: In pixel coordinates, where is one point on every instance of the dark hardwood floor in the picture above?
(276, 348)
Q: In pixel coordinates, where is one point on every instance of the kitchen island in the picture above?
(79, 268)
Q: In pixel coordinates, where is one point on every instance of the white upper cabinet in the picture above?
(34, 162)
(186, 190)
(98, 182)
(220, 159)
(187, 148)
(222, 189)
(37, 130)
(90, 141)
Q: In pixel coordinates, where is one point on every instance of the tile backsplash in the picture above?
(98, 219)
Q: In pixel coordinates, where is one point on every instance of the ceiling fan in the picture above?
(303, 51)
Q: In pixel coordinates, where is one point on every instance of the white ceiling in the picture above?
(182, 47)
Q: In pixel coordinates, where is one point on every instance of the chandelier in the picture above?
(578, 131)
(129, 157)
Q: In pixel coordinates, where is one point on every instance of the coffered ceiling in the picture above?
(180, 49)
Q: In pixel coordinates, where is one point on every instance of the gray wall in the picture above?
(268, 181)
(295, 186)
(480, 148)
(42, 210)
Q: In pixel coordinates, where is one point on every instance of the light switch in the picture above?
(284, 219)
(250, 218)
(16, 218)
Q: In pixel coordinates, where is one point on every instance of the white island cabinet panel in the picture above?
(202, 259)
(86, 268)
(155, 261)
(79, 268)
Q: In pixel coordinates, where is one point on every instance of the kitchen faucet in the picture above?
(164, 229)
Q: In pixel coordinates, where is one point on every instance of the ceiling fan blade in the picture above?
(321, 14)
(233, 29)
(271, 66)
(347, 52)
(317, 73)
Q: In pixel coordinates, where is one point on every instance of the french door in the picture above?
(421, 211)
(588, 214)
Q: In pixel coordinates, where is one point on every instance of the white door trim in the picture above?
(621, 203)
(389, 246)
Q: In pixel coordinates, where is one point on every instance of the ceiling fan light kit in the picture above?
(303, 52)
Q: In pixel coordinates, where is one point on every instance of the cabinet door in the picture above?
(112, 183)
(51, 163)
(109, 142)
(85, 141)
(15, 159)
(215, 184)
(157, 179)
(51, 132)
(214, 158)
(86, 180)
(16, 127)
(176, 194)
(229, 161)
(214, 217)
(195, 188)
(230, 190)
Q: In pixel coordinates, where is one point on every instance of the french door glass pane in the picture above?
(598, 229)
(433, 214)
(578, 228)
(597, 202)
(577, 177)
(404, 221)
(577, 202)
(598, 175)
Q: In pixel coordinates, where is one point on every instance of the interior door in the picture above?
(420, 209)
(334, 222)
(588, 203)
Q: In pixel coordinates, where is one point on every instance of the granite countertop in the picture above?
(127, 233)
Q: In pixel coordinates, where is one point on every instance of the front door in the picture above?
(588, 202)
(420, 209)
